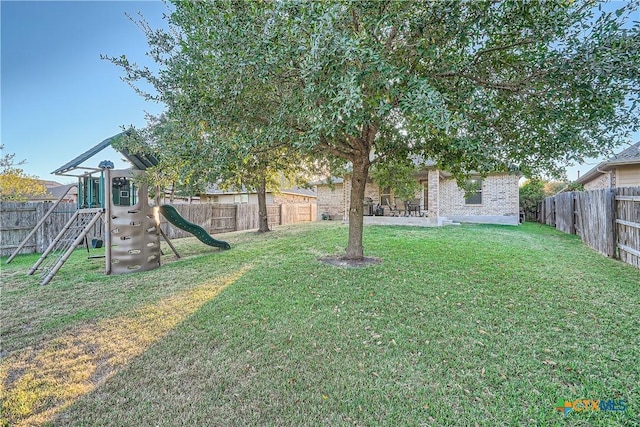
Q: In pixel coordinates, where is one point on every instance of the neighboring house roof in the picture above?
(331, 181)
(629, 156)
(306, 192)
(61, 190)
(54, 193)
(49, 184)
(139, 161)
(213, 190)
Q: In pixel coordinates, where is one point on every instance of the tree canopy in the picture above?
(15, 184)
(479, 86)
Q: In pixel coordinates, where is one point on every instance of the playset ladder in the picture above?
(39, 224)
(66, 242)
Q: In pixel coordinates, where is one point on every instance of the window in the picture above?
(473, 192)
(241, 198)
(124, 191)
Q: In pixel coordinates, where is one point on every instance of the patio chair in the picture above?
(413, 207)
(401, 207)
(393, 209)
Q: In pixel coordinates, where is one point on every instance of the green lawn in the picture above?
(458, 326)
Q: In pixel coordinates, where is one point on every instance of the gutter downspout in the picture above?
(603, 172)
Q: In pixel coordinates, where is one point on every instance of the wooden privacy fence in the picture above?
(18, 219)
(607, 220)
(222, 218)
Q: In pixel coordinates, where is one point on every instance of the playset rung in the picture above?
(64, 244)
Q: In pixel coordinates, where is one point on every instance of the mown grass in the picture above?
(467, 325)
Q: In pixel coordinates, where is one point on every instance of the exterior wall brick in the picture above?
(331, 200)
(346, 198)
(602, 181)
(445, 199)
(499, 198)
(433, 194)
(371, 191)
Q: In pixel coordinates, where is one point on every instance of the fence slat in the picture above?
(628, 223)
(629, 250)
(18, 219)
(607, 220)
(629, 198)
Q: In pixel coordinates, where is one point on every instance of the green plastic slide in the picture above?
(172, 215)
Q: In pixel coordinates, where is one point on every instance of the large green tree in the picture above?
(200, 138)
(473, 85)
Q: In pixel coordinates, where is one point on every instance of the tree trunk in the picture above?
(361, 164)
(263, 219)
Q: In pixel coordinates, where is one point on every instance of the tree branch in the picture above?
(480, 53)
(511, 86)
(336, 151)
(392, 36)
(356, 24)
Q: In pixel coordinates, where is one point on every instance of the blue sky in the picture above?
(58, 97)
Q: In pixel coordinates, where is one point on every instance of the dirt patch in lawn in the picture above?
(339, 261)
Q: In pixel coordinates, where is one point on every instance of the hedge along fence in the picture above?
(607, 220)
(18, 219)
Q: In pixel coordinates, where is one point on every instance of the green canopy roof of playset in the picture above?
(139, 161)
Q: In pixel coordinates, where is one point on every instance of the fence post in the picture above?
(540, 213)
(611, 206)
(574, 208)
(40, 233)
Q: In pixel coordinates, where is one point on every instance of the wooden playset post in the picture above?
(107, 220)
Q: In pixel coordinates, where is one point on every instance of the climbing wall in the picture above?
(135, 238)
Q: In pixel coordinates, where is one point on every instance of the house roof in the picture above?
(306, 192)
(54, 193)
(629, 156)
(49, 184)
(139, 161)
(213, 189)
(333, 180)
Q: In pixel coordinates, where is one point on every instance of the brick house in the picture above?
(620, 170)
(214, 194)
(496, 200)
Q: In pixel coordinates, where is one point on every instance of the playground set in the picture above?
(116, 203)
